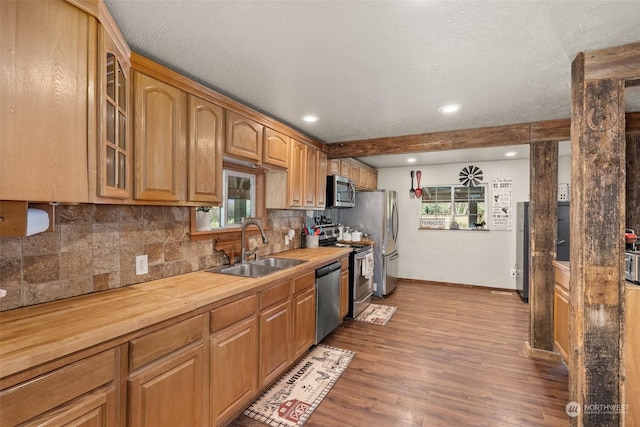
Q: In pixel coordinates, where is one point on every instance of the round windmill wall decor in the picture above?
(470, 176)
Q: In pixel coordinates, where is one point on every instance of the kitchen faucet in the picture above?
(244, 252)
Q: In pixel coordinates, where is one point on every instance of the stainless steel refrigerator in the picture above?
(376, 213)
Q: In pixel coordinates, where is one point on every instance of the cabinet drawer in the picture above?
(275, 294)
(304, 282)
(233, 312)
(25, 401)
(157, 344)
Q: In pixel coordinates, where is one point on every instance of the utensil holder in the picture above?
(311, 241)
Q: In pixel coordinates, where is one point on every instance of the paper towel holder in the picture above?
(13, 217)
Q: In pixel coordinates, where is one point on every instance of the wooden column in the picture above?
(596, 309)
(632, 214)
(543, 223)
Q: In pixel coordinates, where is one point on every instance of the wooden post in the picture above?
(632, 215)
(596, 309)
(543, 222)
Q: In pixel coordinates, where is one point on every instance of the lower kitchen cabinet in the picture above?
(234, 358)
(275, 339)
(80, 393)
(169, 392)
(344, 293)
(304, 322)
(561, 312)
(163, 365)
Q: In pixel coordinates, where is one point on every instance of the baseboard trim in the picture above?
(536, 353)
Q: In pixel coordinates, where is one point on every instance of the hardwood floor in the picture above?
(450, 356)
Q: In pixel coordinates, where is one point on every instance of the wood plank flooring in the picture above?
(450, 356)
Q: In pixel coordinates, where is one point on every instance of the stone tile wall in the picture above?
(93, 248)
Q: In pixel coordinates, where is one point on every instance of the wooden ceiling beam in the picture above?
(621, 62)
(497, 136)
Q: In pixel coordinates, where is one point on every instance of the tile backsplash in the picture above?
(93, 248)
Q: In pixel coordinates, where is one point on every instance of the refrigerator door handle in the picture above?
(395, 221)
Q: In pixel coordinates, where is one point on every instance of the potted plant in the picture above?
(203, 218)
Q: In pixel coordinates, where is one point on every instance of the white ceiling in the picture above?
(372, 69)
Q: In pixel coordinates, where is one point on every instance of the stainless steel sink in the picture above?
(280, 263)
(257, 268)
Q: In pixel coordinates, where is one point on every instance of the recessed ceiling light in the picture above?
(411, 160)
(310, 119)
(510, 154)
(448, 109)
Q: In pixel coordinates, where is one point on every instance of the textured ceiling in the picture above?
(372, 69)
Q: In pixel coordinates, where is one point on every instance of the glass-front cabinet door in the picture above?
(114, 154)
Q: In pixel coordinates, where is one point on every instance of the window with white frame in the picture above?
(453, 206)
(238, 199)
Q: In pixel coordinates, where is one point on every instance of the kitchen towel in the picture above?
(37, 221)
(367, 266)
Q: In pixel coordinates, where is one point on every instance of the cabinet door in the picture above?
(321, 186)
(169, 392)
(80, 390)
(276, 148)
(114, 136)
(344, 293)
(244, 138)
(275, 341)
(304, 322)
(234, 369)
(334, 167)
(561, 321)
(159, 139)
(297, 173)
(311, 177)
(354, 174)
(345, 168)
(205, 151)
(372, 181)
(45, 48)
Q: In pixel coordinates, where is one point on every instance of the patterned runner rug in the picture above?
(376, 313)
(293, 398)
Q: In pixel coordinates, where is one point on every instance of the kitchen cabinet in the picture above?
(206, 127)
(321, 180)
(334, 167)
(304, 314)
(80, 393)
(344, 288)
(311, 178)
(275, 332)
(47, 51)
(561, 311)
(234, 358)
(345, 168)
(114, 152)
(276, 150)
(297, 173)
(165, 364)
(159, 140)
(632, 353)
(244, 138)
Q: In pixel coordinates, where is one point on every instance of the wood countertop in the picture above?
(38, 334)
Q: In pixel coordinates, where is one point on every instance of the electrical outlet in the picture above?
(142, 264)
(514, 272)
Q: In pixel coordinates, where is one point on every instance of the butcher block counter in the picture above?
(38, 334)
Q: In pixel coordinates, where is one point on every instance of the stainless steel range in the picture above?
(360, 268)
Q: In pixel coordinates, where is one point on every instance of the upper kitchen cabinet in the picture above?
(276, 148)
(47, 51)
(244, 138)
(159, 140)
(114, 154)
(311, 179)
(321, 181)
(206, 129)
(297, 174)
(334, 167)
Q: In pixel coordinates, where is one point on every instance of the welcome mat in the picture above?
(376, 313)
(293, 398)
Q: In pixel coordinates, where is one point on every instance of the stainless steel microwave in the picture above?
(341, 193)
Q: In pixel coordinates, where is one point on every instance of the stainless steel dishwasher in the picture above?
(327, 300)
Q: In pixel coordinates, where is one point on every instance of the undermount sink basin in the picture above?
(280, 263)
(257, 268)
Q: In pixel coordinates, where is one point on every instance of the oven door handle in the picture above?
(361, 255)
(364, 297)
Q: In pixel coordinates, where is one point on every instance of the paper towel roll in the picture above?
(37, 221)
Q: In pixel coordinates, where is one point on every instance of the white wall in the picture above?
(482, 258)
